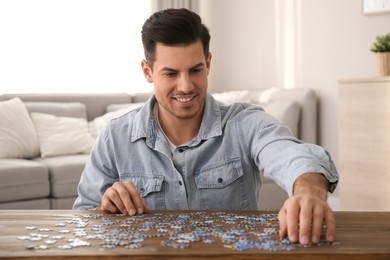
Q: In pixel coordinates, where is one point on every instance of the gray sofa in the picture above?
(51, 182)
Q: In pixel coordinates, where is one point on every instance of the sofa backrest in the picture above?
(307, 125)
(96, 103)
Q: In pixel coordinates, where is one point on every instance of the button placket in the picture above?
(178, 157)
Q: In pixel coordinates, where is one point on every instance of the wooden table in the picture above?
(360, 235)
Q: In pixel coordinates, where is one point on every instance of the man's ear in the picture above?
(147, 71)
(208, 63)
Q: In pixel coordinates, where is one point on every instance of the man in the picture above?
(183, 150)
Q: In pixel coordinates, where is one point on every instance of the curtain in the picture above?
(192, 5)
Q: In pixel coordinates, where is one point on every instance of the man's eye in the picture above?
(196, 70)
(171, 74)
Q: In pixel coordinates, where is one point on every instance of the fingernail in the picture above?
(304, 240)
(293, 238)
(315, 239)
(132, 212)
(124, 212)
(140, 211)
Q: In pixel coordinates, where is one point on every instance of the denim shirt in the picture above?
(219, 169)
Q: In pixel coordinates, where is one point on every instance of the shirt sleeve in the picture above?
(281, 156)
(99, 174)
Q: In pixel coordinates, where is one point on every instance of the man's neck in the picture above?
(179, 131)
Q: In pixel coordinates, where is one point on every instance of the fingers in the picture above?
(323, 215)
(330, 226)
(127, 194)
(282, 223)
(305, 227)
(123, 197)
(292, 223)
(111, 202)
(135, 200)
(302, 221)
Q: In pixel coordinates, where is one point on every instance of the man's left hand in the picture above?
(303, 215)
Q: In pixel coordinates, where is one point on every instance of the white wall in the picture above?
(332, 40)
(336, 38)
(243, 43)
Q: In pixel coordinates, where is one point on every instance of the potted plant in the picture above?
(382, 49)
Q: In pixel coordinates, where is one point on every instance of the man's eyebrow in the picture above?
(168, 69)
(197, 66)
(200, 64)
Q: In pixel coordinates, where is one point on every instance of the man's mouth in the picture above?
(185, 99)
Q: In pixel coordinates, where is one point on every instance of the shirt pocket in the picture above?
(221, 186)
(150, 187)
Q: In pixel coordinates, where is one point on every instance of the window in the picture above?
(72, 46)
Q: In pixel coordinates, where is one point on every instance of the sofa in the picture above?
(45, 139)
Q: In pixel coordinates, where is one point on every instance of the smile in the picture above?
(184, 99)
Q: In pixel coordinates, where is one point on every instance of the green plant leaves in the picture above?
(382, 43)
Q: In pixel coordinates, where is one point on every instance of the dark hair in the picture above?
(173, 27)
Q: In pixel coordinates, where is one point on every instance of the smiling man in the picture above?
(184, 150)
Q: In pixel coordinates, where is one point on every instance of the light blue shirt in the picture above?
(219, 169)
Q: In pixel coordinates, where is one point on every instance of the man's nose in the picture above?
(184, 83)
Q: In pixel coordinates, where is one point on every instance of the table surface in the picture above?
(360, 235)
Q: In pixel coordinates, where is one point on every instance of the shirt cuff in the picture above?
(332, 186)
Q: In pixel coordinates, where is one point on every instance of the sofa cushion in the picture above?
(64, 172)
(43, 203)
(18, 138)
(96, 125)
(307, 100)
(62, 203)
(272, 196)
(23, 179)
(62, 135)
(229, 97)
(66, 109)
(129, 106)
(286, 112)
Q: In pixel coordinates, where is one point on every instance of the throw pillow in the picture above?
(233, 96)
(286, 112)
(128, 106)
(67, 109)
(62, 135)
(18, 138)
(96, 125)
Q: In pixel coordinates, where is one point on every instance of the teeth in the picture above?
(183, 100)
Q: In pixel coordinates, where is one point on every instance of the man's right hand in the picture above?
(123, 197)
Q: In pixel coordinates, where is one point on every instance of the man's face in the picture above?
(180, 79)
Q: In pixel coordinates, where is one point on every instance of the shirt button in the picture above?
(142, 190)
(220, 180)
(181, 150)
(180, 183)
